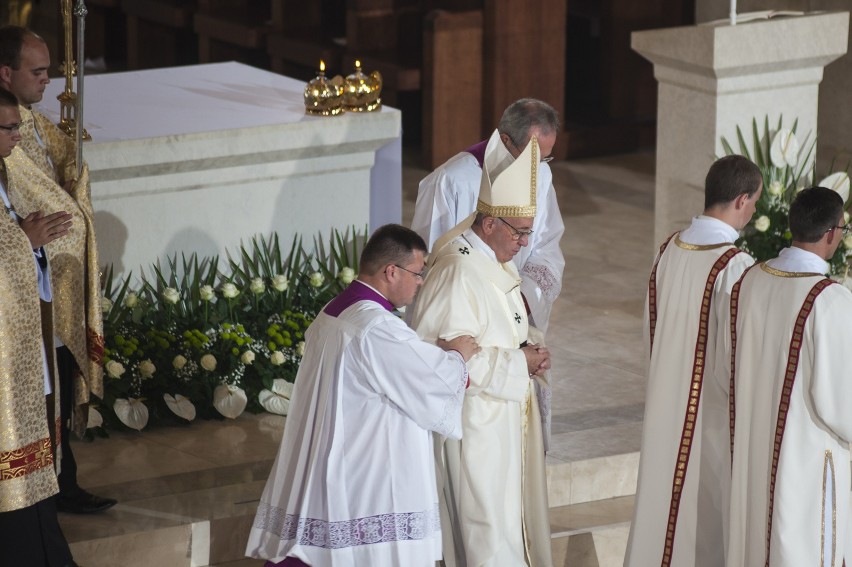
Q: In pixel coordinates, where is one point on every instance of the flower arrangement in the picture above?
(787, 167)
(196, 340)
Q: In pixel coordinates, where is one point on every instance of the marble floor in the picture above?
(184, 493)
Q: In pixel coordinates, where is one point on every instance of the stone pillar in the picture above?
(713, 78)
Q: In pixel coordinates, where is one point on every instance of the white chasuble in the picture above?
(448, 195)
(354, 480)
(790, 490)
(492, 481)
(679, 515)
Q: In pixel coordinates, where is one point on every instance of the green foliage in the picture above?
(199, 327)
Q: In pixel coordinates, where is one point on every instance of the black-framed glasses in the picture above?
(9, 128)
(547, 159)
(516, 233)
(845, 228)
(420, 275)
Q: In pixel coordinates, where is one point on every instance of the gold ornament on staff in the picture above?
(71, 104)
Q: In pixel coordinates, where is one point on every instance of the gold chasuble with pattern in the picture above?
(27, 473)
(75, 273)
(492, 481)
(684, 468)
(789, 368)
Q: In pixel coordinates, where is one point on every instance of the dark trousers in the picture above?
(32, 537)
(68, 466)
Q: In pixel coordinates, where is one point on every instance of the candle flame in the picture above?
(357, 63)
(322, 66)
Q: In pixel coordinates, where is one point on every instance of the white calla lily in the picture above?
(277, 400)
(131, 412)
(230, 401)
(784, 150)
(95, 418)
(180, 406)
(838, 182)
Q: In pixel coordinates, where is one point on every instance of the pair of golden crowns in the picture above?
(357, 93)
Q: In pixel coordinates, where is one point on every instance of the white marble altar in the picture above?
(715, 77)
(200, 158)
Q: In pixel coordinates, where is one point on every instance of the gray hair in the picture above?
(526, 114)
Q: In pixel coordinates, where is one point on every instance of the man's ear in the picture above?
(488, 224)
(740, 201)
(5, 74)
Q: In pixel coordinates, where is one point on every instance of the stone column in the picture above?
(713, 78)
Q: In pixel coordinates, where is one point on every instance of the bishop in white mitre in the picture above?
(354, 480)
(684, 467)
(790, 336)
(493, 481)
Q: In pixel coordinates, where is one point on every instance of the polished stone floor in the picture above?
(193, 486)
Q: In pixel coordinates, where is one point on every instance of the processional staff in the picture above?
(71, 104)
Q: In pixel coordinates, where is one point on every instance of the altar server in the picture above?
(449, 194)
(493, 480)
(78, 324)
(791, 391)
(684, 468)
(354, 480)
(29, 529)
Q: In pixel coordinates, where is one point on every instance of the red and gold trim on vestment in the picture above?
(732, 408)
(652, 293)
(786, 393)
(26, 460)
(691, 417)
(96, 344)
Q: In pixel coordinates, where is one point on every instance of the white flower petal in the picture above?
(784, 150)
(273, 403)
(283, 388)
(131, 412)
(95, 418)
(180, 406)
(230, 401)
(839, 182)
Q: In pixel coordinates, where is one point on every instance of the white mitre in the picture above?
(506, 189)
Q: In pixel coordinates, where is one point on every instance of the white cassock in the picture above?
(790, 489)
(684, 468)
(448, 195)
(354, 480)
(493, 482)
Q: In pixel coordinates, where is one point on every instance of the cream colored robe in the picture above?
(27, 473)
(492, 481)
(681, 521)
(793, 422)
(75, 270)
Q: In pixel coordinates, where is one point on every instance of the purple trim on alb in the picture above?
(478, 151)
(353, 294)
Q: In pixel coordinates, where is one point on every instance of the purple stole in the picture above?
(356, 292)
(478, 151)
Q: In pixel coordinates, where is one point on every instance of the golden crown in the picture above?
(323, 96)
(362, 93)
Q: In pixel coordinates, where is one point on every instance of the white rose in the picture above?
(106, 305)
(114, 369)
(775, 188)
(257, 286)
(147, 368)
(131, 299)
(276, 358)
(206, 292)
(346, 275)
(171, 295)
(847, 241)
(762, 223)
(300, 348)
(845, 217)
(317, 279)
(230, 291)
(179, 362)
(280, 283)
(247, 357)
(208, 362)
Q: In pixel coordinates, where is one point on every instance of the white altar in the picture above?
(200, 158)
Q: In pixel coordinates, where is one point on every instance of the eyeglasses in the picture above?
(845, 228)
(9, 128)
(547, 159)
(418, 275)
(517, 234)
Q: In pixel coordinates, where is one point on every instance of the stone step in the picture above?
(591, 534)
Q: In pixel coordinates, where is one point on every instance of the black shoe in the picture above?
(78, 501)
